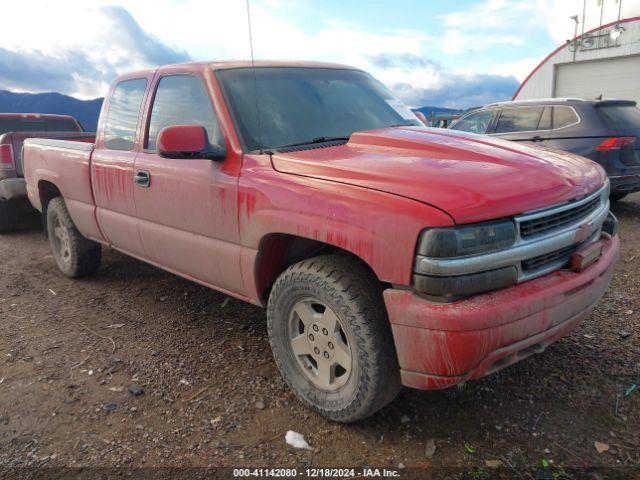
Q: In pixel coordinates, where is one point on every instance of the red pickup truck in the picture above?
(14, 129)
(386, 253)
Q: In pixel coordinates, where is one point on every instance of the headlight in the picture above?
(467, 240)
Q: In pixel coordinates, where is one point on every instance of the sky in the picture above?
(456, 53)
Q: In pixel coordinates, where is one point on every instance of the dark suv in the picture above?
(606, 131)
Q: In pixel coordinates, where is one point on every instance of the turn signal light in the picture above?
(6, 156)
(615, 143)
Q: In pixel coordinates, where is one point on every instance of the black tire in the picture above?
(353, 294)
(8, 216)
(75, 255)
(616, 197)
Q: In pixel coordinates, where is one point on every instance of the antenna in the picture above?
(255, 82)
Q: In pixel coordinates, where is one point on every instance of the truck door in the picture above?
(112, 166)
(187, 208)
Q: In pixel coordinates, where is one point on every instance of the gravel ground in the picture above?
(208, 393)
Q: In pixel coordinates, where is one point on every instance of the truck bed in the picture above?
(16, 139)
(66, 165)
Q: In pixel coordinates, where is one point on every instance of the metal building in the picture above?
(603, 61)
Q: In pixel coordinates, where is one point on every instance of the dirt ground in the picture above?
(212, 397)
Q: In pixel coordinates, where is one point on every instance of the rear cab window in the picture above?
(123, 115)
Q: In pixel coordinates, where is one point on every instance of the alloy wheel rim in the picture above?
(320, 344)
(62, 241)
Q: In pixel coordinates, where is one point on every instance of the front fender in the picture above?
(378, 227)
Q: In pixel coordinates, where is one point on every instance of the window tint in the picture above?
(477, 122)
(181, 100)
(37, 125)
(524, 119)
(545, 120)
(621, 119)
(563, 116)
(122, 118)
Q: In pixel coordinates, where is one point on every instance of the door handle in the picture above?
(537, 138)
(142, 178)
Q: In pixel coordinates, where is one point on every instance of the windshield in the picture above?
(307, 105)
(33, 124)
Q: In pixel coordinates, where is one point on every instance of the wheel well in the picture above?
(278, 251)
(47, 191)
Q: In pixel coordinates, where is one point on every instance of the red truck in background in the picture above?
(386, 253)
(14, 129)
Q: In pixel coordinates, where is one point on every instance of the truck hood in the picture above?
(471, 177)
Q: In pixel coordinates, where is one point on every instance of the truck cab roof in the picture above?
(230, 64)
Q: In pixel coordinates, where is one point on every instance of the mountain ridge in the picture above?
(86, 111)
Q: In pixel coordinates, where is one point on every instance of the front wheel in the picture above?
(331, 337)
(75, 255)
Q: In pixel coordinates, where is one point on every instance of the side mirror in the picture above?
(188, 141)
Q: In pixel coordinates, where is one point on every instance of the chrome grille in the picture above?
(554, 221)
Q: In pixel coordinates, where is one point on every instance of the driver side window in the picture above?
(476, 122)
(181, 100)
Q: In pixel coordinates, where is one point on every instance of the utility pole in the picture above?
(575, 36)
(619, 2)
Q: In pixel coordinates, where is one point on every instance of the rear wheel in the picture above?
(8, 216)
(75, 255)
(331, 337)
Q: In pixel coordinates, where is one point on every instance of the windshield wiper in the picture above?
(312, 142)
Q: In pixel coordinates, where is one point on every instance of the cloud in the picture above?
(561, 28)
(495, 16)
(36, 71)
(403, 60)
(489, 24)
(142, 46)
(419, 81)
(519, 69)
(79, 55)
(460, 91)
(79, 50)
(83, 52)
